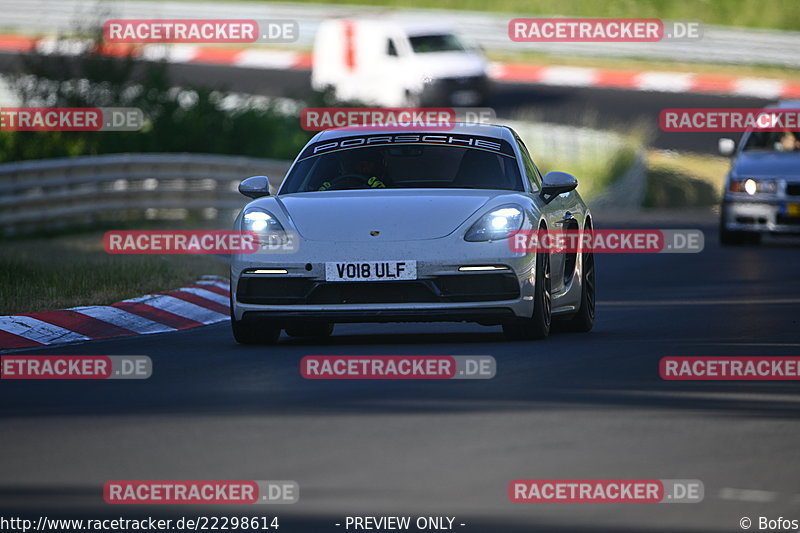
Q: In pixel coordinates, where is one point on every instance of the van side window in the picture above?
(391, 50)
(534, 177)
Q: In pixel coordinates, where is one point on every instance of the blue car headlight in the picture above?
(497, 224)
(753, 186)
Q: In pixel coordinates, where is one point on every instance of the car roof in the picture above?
(486, 130)
(409, 26)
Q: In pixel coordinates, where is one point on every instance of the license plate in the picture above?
(792, 210)
(371, 271)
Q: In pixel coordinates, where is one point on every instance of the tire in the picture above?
(311, 329)
(412, 99)
(538, 325)
(583, 320)
(253, 331)
(737, 238)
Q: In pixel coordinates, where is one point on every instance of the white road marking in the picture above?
(208, 295)
(181, 308)
(748, 495)
(569, 76)
(219, 284)
(123, 319)
(709, 301)
(38, 330)
(675, 82)
(266, 59)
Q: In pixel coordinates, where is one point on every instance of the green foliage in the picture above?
(186, 119)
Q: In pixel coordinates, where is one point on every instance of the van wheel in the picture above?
(413, 99)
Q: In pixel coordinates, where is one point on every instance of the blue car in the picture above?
(762, 190)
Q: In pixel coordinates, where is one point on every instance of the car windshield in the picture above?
(773, 141)
(405, 166)
(444, 42)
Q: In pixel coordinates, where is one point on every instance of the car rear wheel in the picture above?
(537, 326)
(311, 329)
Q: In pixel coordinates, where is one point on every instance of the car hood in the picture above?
(399, 215)
(767, 165)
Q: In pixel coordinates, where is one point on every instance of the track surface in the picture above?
(572, 406)
(585, 106)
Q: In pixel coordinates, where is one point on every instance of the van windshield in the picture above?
(443, 42)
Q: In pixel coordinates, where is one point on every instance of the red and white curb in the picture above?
(205, 302)
(563, 76)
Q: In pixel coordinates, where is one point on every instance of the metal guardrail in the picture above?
(54, 193)
(719, 44)
(558, 142)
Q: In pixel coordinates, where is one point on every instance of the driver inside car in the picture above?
(363, 168)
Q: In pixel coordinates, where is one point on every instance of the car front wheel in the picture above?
(253, 331)
(538, 325)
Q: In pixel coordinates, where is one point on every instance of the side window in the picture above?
(391, 50)
(532, 173)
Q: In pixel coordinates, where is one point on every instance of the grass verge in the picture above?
(70, 270)
(679, 180)
(777, 14)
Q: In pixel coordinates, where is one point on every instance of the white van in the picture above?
(397, 63)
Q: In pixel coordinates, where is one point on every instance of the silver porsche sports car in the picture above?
(403, 226)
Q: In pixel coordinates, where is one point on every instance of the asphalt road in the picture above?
(585, 106)
(571, 406)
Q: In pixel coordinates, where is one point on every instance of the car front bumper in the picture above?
(759, 215)
(441, 291)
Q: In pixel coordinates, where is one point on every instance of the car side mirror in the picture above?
(726, 146)
(255, 187)
(555, 183)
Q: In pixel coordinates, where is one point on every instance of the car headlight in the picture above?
(263, 223)
(753, 186)
(498, 224)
